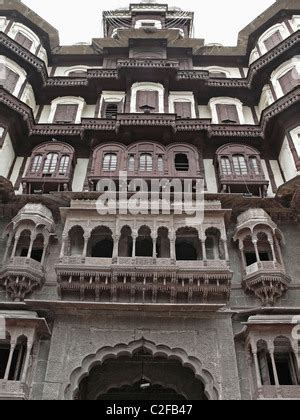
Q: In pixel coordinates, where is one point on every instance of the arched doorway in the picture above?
(141, 376)
(141, 370)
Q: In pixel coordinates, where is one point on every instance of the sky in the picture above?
(217, 21)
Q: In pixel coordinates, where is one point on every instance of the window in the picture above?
(183, 109)
(147, 101)
(131, 163)
(226, 166)
(160, 164)
(111, 111)
(50, 164)
(182, 163)
(273, 40)
(254, 165)
(64, 165)
(10, 79)
(289, 81)
(240, 165)
(228, 114)
(23, 41)
(146, 163)
(36, 164)
(65, 113)
(110, 162)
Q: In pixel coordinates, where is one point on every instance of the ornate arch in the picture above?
(106, 353)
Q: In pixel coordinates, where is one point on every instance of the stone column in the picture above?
(116, 248)
(27, 359)
(274, 368)
(63, 246)
(254, 241)
(154, 240)
(134, 238)
(17, 238)
(203, 243)
(8, 244)
(46, 243)
(257, 371)
(243, 255)
(225, 244)
(172, 238)
(85, 246)
(32, 239)
(11, 353)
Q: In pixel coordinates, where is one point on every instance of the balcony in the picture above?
(13, 390)
(267, 280)
(144, 280)
(148, 63)
(20, 276)
(253, 184)
(40, 183)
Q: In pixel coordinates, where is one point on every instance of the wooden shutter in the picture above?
(228, 114)
(183, 109)
(147, 99)
(11, 80)
(65, 114)
(23, 40)
(289, 81)
(273, 40)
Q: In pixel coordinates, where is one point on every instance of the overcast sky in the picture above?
(215, 20)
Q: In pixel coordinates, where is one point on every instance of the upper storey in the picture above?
(149, 16)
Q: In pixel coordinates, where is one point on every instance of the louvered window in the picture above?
(50, 163)
(23, 40)
(111, 111)
(36, 164)
(147, 101)
(64, 165)
(228, 114)
(183, 109)
(240, 165)
(273, 40)
(289, 81)
(9, 79)
(110, 162)
(146, 163)
(226, 166)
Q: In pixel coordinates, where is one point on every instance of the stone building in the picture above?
(149, 305)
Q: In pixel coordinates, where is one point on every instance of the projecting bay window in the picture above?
(65, 114)
(50, 169)
(240, 170)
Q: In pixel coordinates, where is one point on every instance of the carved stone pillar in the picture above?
(134, 238)
(243, 255)
(27, 359)
(273, 251)
(63, 246)
(46, 244)
(32, 239)
(8, 245)
(172, 238)
(154, 240)
(225, 245)
(116, 248)
(11, 353)
(204, 254)
(17, 238)
(254, 241)
(85, 246)
(274, 368)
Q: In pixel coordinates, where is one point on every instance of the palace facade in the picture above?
(149, 305)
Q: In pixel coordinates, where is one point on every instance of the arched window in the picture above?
(110, 162)
(37, 163)
(254, 166)
(50, 163)
(240, 165)
(64, 165)
(226, 166)
(146, 162)
(182, 163)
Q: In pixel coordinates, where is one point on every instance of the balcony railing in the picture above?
(144, 280)
(12, 390)
(269, 392)
(267, 280)
(144, 63)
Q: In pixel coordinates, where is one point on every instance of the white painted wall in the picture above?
(295, 134)
(287, 161)
(266, 173)
(7, 156)
(63, 71)
(277, 173)
(204, 111)
(248, 116)
(16, 170)
(80, 174)
(182, 97)
(232, 72)
(210, 176)
(88, 111)
(20, 191)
